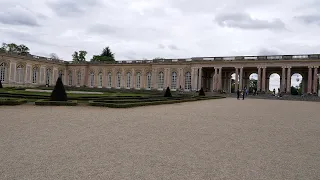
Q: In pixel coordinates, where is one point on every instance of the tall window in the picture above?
(160, 80)
(48, 76)
(2, 71)
(79, 78)
(128, 80)
(60, 74)
(34, 75)
(174, 80)
(100, 79)
(118, 80)
(148, 80)
(138, 81)
(70, 78)
(91, 79)
(109, 79)
(19, 78)
(188, 81)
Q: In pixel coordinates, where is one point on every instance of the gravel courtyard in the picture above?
(214, 139)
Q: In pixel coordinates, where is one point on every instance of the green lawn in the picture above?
(11, 91)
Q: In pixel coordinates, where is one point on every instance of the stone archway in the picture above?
(274, 82)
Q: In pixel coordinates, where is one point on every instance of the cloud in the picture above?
(72, 8)
(309, 19)
(161, 46)
(19, 16)
(265, 51)
(245, 21)
(173, 47)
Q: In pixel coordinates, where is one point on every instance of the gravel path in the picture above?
(214, 139)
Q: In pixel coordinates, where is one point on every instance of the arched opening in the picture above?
(138, 80)
(148, 80)
(128, 80)
(160, 80)
(118, 80)
(297, 84)
(187, 81)
(91, 79)
(34, 75)
(174, 81)
(20, 73)
(100, 75)
(48, 77)
(78, 78)
(70, 78)
(109, 80)
(233, 82)
(2, 71)
(253, 82)
(274, 82)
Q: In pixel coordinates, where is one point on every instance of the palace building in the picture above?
(210, 73)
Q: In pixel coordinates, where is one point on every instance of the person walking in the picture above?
(238, 94)
(243, 94)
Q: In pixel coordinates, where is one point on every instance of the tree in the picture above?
(253, 85)
(201, 92)
(168, 93)
(79, 56)
(106, 55)
(14, 48)
(82, 56)
(1, 84)
(54, 56)
(59, 93)
(75, 57)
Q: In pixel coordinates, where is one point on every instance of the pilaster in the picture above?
(259, 80)
(315, 78)
(288, 79)
(283, 79)
(264, 69)
(241, 78)
(309, 79)
(236, 87)
(200, 78)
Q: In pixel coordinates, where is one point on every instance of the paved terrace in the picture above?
(214, 139)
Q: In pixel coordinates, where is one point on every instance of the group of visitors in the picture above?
(243, 93)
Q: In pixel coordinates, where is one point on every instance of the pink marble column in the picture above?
(263, 79)
(220, 79)
(259, 79)
(236, 80)
(309, 80)
(283, 79)
(315, 79)
(289, 80)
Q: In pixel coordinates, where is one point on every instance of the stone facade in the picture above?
(211, 73)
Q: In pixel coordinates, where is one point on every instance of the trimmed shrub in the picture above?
(59, 93)
(12, 101)
(1, 84)
(168, 93)
(201, 92)
(56, 103)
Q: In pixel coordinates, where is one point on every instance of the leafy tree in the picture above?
(59, 93)
(79, 56)
(253, 85)
(168, 93)
(106, 55)
(54, 56)
(294, 91)
(82, 56)
(14, 48)
(75, 57)
(201, 92)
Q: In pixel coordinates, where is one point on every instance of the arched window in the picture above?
(174, 80)
(148, 80)
(100, 79)
(118, 80)
(19, 78)
(60, 74)
(160, 80)
(188, 81)
(79, 78)
(35, 75)
(109, 80)
(91, 79)
(48, 76)
(128, 80)
(70, 78)
(2, 71)
(138, 81)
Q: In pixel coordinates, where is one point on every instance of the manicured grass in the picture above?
(12, 101)
(55, 103)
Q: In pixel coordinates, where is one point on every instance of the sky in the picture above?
(146, 29)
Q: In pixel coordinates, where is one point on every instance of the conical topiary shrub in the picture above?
(1, 84)
(168, 93)
(59, 93)
(201, 92)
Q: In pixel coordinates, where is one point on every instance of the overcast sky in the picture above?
(136, 29)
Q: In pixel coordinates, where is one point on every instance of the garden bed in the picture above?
(12, 101)
(56, 103)
(148, 102)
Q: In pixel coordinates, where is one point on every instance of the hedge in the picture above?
(128, 104)
(12, 101)
(56, 103)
